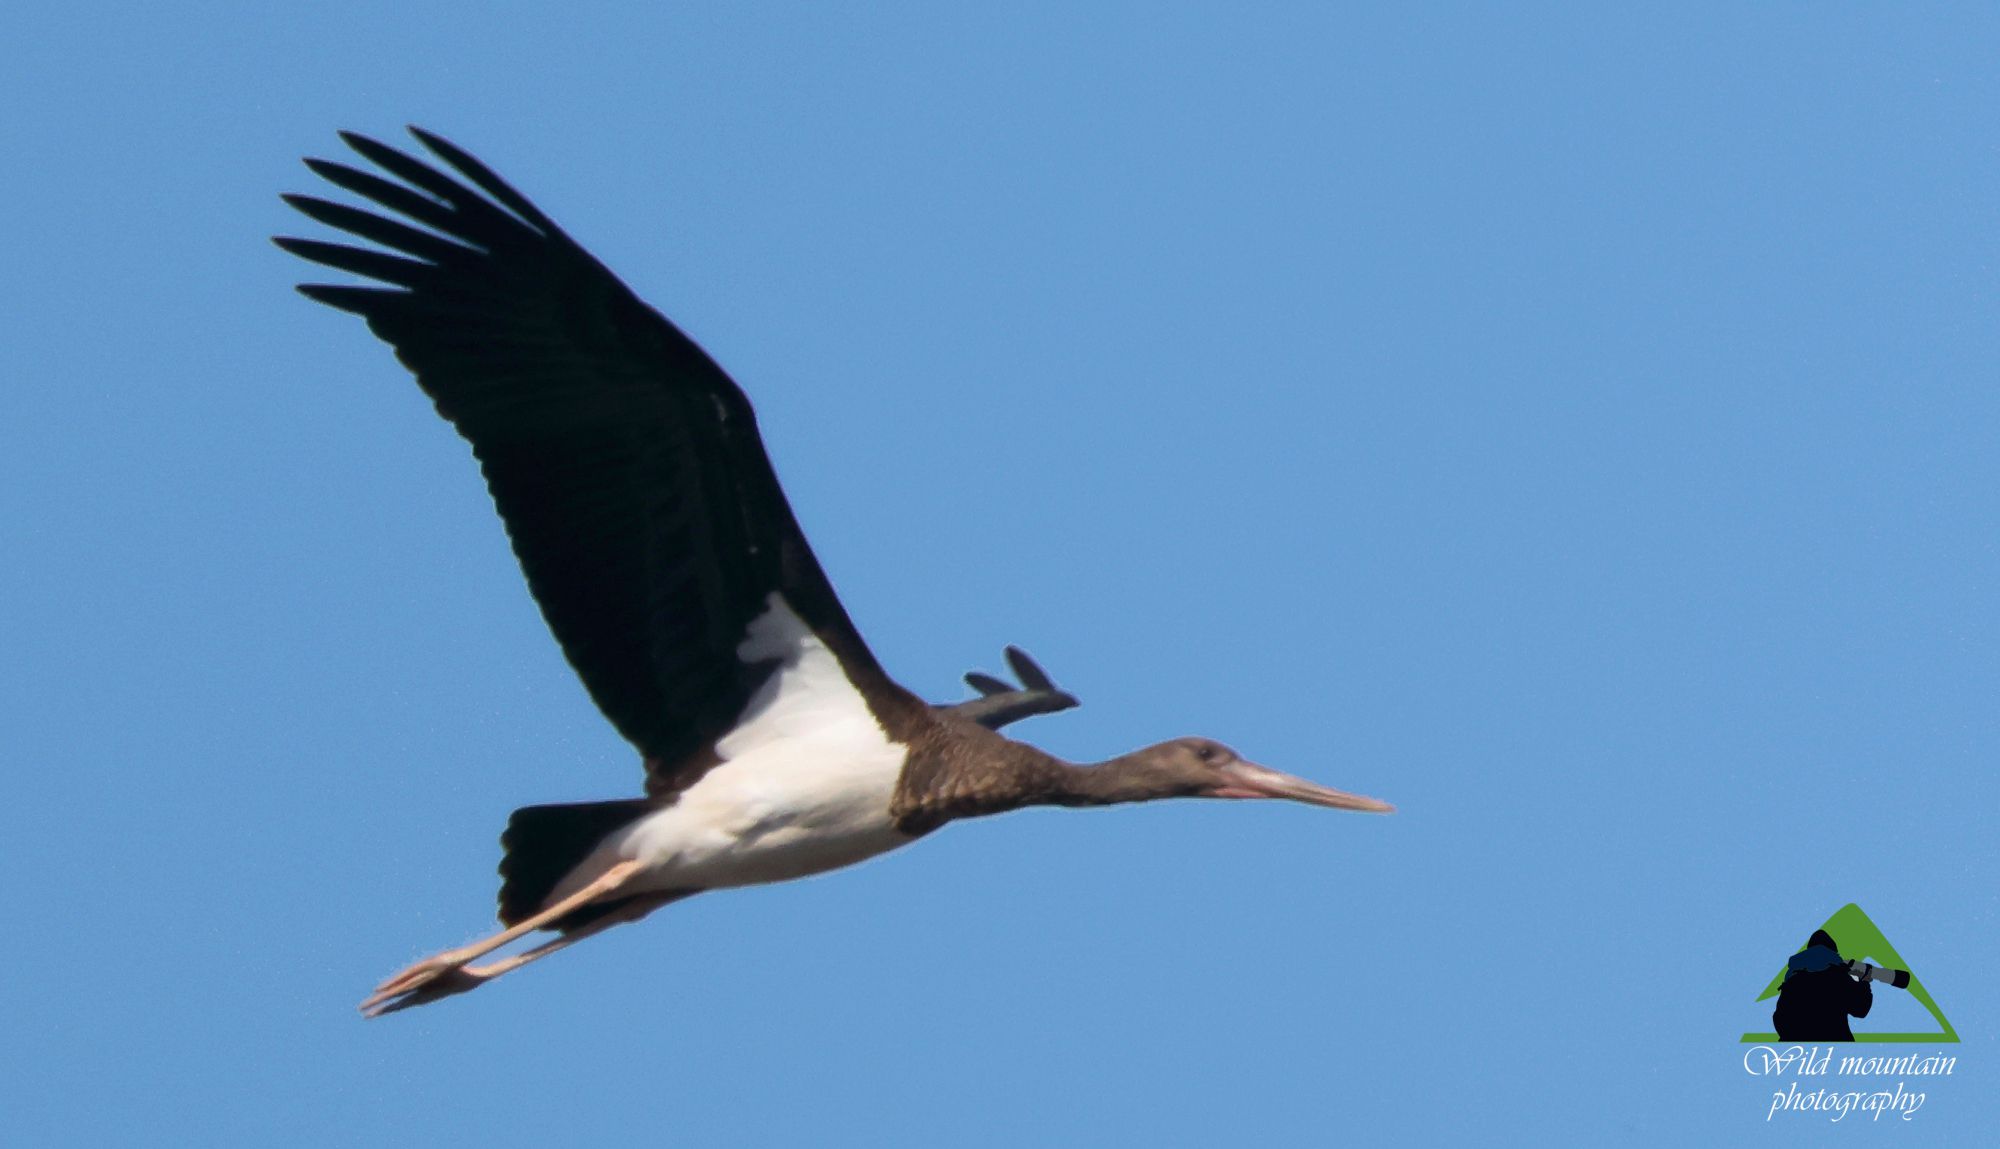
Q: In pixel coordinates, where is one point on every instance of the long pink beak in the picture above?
(1249, 780)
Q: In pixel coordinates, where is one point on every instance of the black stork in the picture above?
(655, 538)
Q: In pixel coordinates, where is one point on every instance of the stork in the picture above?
(653, 534)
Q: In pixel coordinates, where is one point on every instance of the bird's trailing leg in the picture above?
(470, 977)
(452, 962)
(631, 911)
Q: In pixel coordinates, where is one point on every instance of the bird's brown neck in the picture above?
(1126, 778)
(966, 771)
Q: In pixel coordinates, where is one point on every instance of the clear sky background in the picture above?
(1575, 425)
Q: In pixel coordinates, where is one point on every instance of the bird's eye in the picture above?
(1205, 753)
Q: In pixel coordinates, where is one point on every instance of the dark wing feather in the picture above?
(986, 683)
(1028, 670)
(626, 465)
(1000, 704)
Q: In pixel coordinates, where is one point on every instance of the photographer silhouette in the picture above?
(1819, 994)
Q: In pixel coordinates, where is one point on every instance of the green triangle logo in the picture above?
(1861, 940)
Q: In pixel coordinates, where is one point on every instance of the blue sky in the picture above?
(1575, 425)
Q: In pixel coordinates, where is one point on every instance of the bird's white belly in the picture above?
(795, 809)
(804, 786)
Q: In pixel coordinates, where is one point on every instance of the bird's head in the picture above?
(1205, 768)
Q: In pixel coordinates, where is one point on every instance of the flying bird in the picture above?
(654, 536)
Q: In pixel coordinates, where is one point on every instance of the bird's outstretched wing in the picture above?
(626, 465)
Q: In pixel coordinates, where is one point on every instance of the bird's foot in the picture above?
(415, 978)
(434, 984)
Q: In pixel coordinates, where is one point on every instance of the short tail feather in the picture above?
(542, 844)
